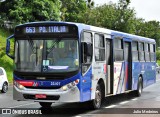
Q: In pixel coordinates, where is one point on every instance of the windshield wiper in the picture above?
(53, 45)
(34, 50)
(31, 44)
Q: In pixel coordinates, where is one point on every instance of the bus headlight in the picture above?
(70, 85)
(64, 88)
(19, 86)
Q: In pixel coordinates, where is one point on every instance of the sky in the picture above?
(146, 9)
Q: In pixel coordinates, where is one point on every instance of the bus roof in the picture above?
(121, 34)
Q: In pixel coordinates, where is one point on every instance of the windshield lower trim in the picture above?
(47, 76)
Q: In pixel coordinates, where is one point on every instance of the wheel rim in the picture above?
(98, 98)
(5, 87)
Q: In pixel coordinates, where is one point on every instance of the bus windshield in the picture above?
(47, 55)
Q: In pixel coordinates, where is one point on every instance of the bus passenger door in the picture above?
(109, 66)
(128, 66)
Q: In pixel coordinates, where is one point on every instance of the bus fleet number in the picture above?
(30, 30)
(55, 83)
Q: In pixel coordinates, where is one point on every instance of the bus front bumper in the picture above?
(52, 95)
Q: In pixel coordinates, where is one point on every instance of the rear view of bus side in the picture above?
(102, 63)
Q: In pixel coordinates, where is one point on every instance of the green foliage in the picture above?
(112, 16)
(71, 10)
(5, 61)
(158, 61)
(150, 29)
(158, 55)
(125, 17)
(22, 11)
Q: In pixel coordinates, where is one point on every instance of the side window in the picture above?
(127, 51)
(152, 52)
(141, 51)
(87, 37)
(147, 57)
(108, 51)
(151, 48)
(86, 58)
(135, 51)
(1, 72)
(99, 48)
(118, 50)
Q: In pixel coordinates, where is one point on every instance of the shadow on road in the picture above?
(73, 109)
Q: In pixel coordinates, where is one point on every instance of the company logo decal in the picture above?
(35, 84)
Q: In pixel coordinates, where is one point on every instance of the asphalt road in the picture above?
(117, 104)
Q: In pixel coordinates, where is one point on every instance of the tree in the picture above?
(112, 16)
(21, 11)
(125, 17)
(72, 10)
(150, 29)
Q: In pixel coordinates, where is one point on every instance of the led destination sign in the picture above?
(46, 29)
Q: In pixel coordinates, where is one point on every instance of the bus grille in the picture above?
(55, 97)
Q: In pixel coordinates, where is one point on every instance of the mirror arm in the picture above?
(8, 46)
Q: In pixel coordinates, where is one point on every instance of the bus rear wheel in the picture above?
(140, 87)
(45, 104)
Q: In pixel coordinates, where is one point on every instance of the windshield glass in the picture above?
(51, 55)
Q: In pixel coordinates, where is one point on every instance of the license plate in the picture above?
(37, 96)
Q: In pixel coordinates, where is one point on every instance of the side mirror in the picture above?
(87, 50)
(10, 54)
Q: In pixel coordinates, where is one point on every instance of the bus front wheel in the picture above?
(45, 104)
(96, 103)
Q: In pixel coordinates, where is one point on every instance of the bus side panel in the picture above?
(150, 73)
(147, 70)
(86, 86)
(135, 74)
(99, 72)
(119, 75)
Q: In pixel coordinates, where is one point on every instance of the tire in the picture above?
(139, 90)
(97, 102)
(45, 104)
(4, 87)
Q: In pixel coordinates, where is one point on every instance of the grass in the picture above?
(158, 61)
(5, 61)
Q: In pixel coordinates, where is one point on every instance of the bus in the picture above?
(103, 63)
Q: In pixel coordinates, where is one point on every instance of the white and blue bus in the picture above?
(74, 62)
